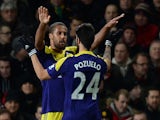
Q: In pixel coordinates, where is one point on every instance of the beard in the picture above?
(60, 46)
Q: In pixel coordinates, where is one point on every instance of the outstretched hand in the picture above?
(114, 21)
(43, 15)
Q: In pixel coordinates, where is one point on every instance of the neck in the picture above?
(82, 48)
(56, 49)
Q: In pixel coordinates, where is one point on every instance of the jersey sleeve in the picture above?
(57, 69)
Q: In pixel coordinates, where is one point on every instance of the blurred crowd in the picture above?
(130, 88)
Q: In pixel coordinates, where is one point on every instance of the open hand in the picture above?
(43, 15)
(114, 21)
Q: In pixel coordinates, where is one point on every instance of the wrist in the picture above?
(108, 43)
(42, 24)
(32, 52)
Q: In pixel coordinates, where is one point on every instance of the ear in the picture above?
(77, 40)
(50, 36)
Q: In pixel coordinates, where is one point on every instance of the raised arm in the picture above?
(41, 73)
(28, 44)
(99, 37)
(44, 18)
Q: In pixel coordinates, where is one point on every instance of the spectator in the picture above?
(139, 115)
(154, 53)
(120, 63)
(5, 114)
(111, 11)
(126, 7)
(152, 103)
(129, 38)
(12, 104)
(136, 98)
(119, 109)
(139, 71)
(7, 79)
(5, 40)
(30, 95)
(121, 57)
(146, 30)
(76, 20)
(9, 15)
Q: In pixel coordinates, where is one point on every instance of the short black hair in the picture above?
(52, 26)
(150, 88)
(86, 32)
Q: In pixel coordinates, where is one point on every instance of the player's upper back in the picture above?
(82, 72)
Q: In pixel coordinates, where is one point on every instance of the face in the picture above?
(9, 15)
(12, 106)
(5, 116)
(27, 88)
(58, 38)
(121, 103)
(121, 53)
(110, 12)
(5, 35)
(125, 4)
(153, 99)
(136, 92)
(156, 3)
(38, 113)
(5, 69)
(141, 116)
(140, 19)
(129, 36)
(73, 27)
(141, 66)
(154, 51)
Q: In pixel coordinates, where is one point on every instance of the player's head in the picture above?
(85, 33)
(58, 35)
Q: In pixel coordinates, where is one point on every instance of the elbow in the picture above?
(39, 46)
(42, 76)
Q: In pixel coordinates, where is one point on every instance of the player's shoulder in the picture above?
(66, 58)
(62, 61)
(72, 49)
(101, 58)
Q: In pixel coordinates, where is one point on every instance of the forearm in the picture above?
(100, 36)
(41, 73)
(40, 35)
(107, 53)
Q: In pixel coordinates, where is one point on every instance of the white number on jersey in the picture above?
(91, 88)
